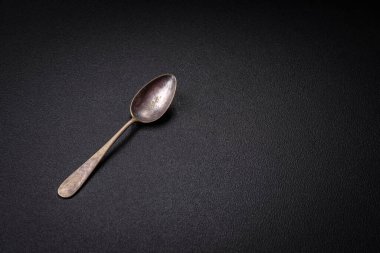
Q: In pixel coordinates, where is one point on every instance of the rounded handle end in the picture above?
(67, 189)
(64, 193)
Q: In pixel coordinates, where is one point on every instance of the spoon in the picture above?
(148, 105)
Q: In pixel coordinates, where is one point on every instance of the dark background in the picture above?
(272, 143)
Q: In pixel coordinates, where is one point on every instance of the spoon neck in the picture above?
(121, 131)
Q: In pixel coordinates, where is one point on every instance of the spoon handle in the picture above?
(75, 181)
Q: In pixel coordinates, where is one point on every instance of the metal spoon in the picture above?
(148, 105)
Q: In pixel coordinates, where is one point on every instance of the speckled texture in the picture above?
(271, 145)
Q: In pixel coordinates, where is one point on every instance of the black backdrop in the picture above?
(271, 144)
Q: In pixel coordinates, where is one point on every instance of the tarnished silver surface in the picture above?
(148, 105)
(152, 101)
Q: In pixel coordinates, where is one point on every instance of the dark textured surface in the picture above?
(272, 143)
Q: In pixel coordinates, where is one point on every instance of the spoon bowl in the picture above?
(154, 99)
